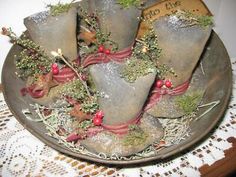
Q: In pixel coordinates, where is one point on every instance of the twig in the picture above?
(142, 42)
(201, 65)
(212, 104)
(84, 28)
(26, 112)
(59, 54)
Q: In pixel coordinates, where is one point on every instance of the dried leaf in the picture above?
(88, 37)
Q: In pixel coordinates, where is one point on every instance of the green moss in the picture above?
(75, 90)
(128, 3)
(144, 60)
(189, 102)
(193, 19)
(59, 8)
(205, 21)
(135, 137)
(135, 68)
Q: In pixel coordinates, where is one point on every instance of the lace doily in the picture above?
(21, 154)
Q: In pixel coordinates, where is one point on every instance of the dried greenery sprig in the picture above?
(189, 102)
(163, 70)
(147, 47)
(76, 91)
(33, 59)
(135, 136)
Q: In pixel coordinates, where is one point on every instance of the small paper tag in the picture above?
(169, 7)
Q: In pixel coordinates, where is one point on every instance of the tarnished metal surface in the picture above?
(217, 68)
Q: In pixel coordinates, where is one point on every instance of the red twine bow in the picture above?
(158, 92)
(99, 57)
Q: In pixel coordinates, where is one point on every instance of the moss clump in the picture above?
(59, 8)
(205, 21)
(74, 90)
(135, 68)
(144, 59)
(192, 19)
(189, 102)
(135, 137)
(128, 3)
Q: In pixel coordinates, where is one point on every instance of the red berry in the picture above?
(168, 84)
(97, 121)
(159, 83)
(54, 66)
(107, 51)
(55, 71)
(99, 114)
(101, 48)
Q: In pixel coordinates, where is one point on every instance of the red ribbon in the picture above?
(124, 127)
(65, 74)
(36, 91)
(158, 92)
(98, 58)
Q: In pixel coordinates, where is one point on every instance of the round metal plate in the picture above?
(217, 66)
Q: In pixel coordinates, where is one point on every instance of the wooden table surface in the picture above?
(223, 168)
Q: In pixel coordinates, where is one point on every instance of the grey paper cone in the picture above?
(53, 32)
